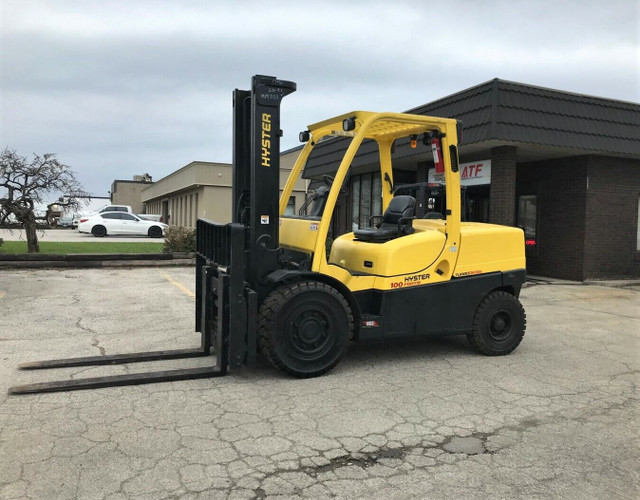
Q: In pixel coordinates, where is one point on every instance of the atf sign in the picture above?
(473, 173)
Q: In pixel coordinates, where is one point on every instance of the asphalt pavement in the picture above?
(426, 418)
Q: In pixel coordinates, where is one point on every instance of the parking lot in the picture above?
(414, 419)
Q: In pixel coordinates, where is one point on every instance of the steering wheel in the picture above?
(328, 180)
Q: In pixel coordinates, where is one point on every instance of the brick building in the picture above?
(564, 166)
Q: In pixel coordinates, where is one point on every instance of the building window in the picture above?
(291, 206)
(366, 201)
(528, 221)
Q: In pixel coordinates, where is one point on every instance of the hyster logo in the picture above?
(416, 277)
(266, 140)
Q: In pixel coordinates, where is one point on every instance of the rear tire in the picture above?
(99, 231)
(155, 232)
(304, 328)
(499, 324)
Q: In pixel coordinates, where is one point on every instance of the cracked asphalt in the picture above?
(413, 419)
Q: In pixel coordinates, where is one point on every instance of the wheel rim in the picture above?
(309, 333)
(500, 325)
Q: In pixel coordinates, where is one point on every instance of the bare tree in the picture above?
(24, 183)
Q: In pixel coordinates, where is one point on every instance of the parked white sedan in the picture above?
(120, 223)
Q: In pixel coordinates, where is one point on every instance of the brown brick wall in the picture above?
(587, 216)
(611, 218)
(560, 188)
(503, 186)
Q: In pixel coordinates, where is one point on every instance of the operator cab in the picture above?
(397, 242)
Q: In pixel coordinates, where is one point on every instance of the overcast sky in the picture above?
(118, 88)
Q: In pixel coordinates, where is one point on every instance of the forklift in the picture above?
(265, 283)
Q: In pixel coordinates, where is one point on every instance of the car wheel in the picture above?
(99, 231)
(498, 325)
(305, 328)
(155, 232)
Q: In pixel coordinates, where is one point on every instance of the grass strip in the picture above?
(64, 247)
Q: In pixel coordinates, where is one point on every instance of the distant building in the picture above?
(202, 189)
(125, 192)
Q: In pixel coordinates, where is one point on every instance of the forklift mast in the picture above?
(256, 171)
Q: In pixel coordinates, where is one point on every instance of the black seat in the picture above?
(396, 221)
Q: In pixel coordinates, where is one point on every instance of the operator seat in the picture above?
(396, 221)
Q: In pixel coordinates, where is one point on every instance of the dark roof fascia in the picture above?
(494, 108)
(456, 96)
(605, 101)
(495, 83)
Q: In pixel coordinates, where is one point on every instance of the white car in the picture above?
(120, 223)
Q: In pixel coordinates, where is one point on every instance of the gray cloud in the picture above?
(119, 88)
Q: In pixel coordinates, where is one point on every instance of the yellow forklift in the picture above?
(267, 282)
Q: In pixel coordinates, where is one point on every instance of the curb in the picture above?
(611, 283)
(46, 261)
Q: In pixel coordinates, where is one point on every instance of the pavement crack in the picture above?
(96, 343)
(84, 328)
(364, 461)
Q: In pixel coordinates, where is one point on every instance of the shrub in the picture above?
(179, 239)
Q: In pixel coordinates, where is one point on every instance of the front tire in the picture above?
(155, 232)
(304, 328)
(99, 231)
(499, 324)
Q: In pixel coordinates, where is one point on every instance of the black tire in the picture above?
(99, 231)
(498, 325)
(155, 232)
(305, 328)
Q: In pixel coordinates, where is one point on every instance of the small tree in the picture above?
(23, 184)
